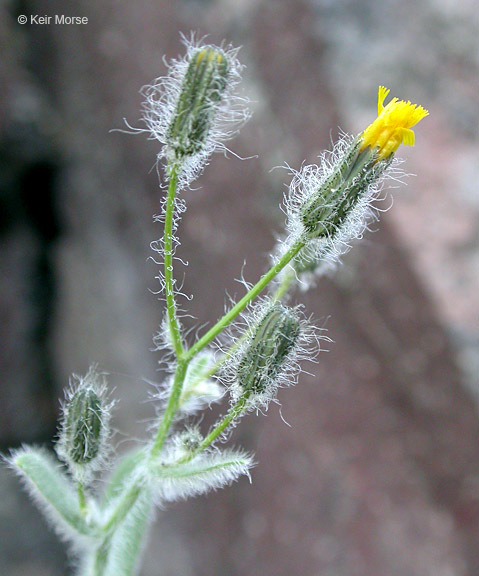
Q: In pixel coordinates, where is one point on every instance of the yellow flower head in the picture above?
(392, 127)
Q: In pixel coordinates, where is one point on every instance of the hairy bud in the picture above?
(196, 107)
(271, 343)
(323, 212)
(84, 430)
(83, 426)
(202, 89)
(329, 205)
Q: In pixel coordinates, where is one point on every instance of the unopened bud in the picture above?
(202, 89)
(84, 430)
(271, 343)
(83, 426)
(323, 213)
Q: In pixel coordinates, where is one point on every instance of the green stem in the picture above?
(101, 556)
(171, 408)
(185, 357)
(81, 498)
(225, 422)
(173, 324)
(212, 371)
(130, 497)
(241, 305)
(235, 411)
(278, 295)
(284, 286)
(125, 504)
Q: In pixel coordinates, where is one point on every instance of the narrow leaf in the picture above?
(52, 490)
(205, 472)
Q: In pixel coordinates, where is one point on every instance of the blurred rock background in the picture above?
(379, 472)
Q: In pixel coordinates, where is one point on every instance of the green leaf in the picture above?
(52, 490)
(207, 471)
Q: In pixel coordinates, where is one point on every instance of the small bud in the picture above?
(202, 89)
(83, 426)
(189, 440)
(84, 430)
(267, 352)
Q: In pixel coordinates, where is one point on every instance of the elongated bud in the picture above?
(84, 430)
(324, 211)
(201, 91)
(196, 107)
(271, 343)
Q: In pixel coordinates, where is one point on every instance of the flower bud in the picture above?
(330, 205)
(266, 354)
(84, 429)
(83, 426)
(201, 91)
(324, 211)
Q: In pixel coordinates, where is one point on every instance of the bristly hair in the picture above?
(96, 382)
(320, 255)
(305, 347)
(161, 99)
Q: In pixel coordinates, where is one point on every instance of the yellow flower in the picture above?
(393, 125)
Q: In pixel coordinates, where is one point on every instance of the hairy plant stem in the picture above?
(81, 498)
(247, 298)
(130, 497)
(235, 411)
(279, 293)
(217, 430)
(173, 324)
(125, 504)
(101, 556)
(185, 356)
(285, 285)
(171, 408)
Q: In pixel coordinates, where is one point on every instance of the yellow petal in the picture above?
(393, 125)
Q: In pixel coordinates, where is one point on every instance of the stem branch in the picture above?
(241, 304)
(235, 411)
(171, 408)
(81, 498)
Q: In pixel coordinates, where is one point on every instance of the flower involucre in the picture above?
(202, 89)
(329, 205)
(393, 125)
(195, 108)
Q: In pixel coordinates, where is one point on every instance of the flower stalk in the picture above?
(255, 291)
(173, 324)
